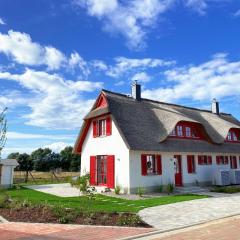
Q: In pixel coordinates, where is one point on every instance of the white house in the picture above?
(6, 172)
(135, 142)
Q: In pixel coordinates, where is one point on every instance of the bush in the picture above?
(170, 188)
(140, 191)
(117, 190)
(131, 220)
(229, 190)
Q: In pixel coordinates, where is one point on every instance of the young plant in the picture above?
(140, 191)
(170, 188)
(117, 190)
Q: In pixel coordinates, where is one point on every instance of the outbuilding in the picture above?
(6, 172)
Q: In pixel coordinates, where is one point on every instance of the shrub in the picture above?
(170, 188)
(140, 191)
(131, 220)
(117, 190)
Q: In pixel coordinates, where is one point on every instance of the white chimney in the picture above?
(136, 91)
(215, 106)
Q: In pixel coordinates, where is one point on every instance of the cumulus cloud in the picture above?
(57, 146)
(123, 65)
(2, 22)
(56, 102)
(131, 19)
(20, 47)
(217, 77)
(199, 6)
(237, 13)
(20, 135)
(142, 77)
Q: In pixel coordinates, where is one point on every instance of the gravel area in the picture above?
(60, 190)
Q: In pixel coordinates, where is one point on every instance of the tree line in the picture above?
(45, 160)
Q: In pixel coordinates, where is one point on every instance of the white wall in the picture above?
(7, 176)
(204, 173)
(136, 178)
(109, 145)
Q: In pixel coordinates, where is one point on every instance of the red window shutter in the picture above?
(159, 164)
(110, 171)
(209, 160)
(93, 170)
(233, 160)
(226, 160)
(95, 132)
(218, 160)
(144, 164)
(189, 164)
(109, 126)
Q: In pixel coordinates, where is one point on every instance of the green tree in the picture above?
(13, 155)
(25, 164)
(52, 161)
(38, 158)
(69, 160)
(3, 130)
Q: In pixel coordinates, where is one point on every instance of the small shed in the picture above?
(6, 172)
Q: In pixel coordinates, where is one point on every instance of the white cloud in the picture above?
(23, 50)
(76, 60)
(132, 19)
(217, 77)
(199, 6)
(124, 65)
(57, 146)
(56, 103)
(142, 77)
(20, 135)
(237, 13)
(2, 22)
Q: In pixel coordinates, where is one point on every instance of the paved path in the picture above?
(177, 215)
(224, 229)
(60, 190)
(40, 231)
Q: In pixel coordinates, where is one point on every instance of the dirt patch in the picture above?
(48, 215)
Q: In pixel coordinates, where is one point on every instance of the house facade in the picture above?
(132, 142)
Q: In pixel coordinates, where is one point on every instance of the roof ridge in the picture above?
(166, 103)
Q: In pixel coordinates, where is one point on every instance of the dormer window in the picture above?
(233, 135)
(102, 127)
(185, 130)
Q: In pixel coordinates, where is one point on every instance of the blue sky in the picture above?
(56, 55)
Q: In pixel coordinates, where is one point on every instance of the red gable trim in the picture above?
(101, 101)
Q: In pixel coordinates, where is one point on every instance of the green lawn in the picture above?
(100, 203)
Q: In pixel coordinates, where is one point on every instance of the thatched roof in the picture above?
(145, 125)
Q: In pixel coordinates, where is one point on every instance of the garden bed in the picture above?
(56, 215)
(227, 189)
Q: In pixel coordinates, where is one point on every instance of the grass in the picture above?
(228, 189)
(100, 203)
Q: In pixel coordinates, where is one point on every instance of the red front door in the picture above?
(178, 170)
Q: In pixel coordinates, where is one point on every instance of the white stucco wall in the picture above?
(7, 176)
(109, 145)
(204, 173)
(136, 178)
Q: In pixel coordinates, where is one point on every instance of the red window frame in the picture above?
(102, 127)
(151, 164)
(222, 160)
(233, 136)
(191, 164)
(204, 160)
(186, 130)
(233, 162)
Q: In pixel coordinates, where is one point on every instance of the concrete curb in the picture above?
(3, 220)
(179, 229)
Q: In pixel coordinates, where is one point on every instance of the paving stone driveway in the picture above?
(177, 215)
(40, 231)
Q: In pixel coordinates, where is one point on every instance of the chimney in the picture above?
(136, 91)
(215, 106)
